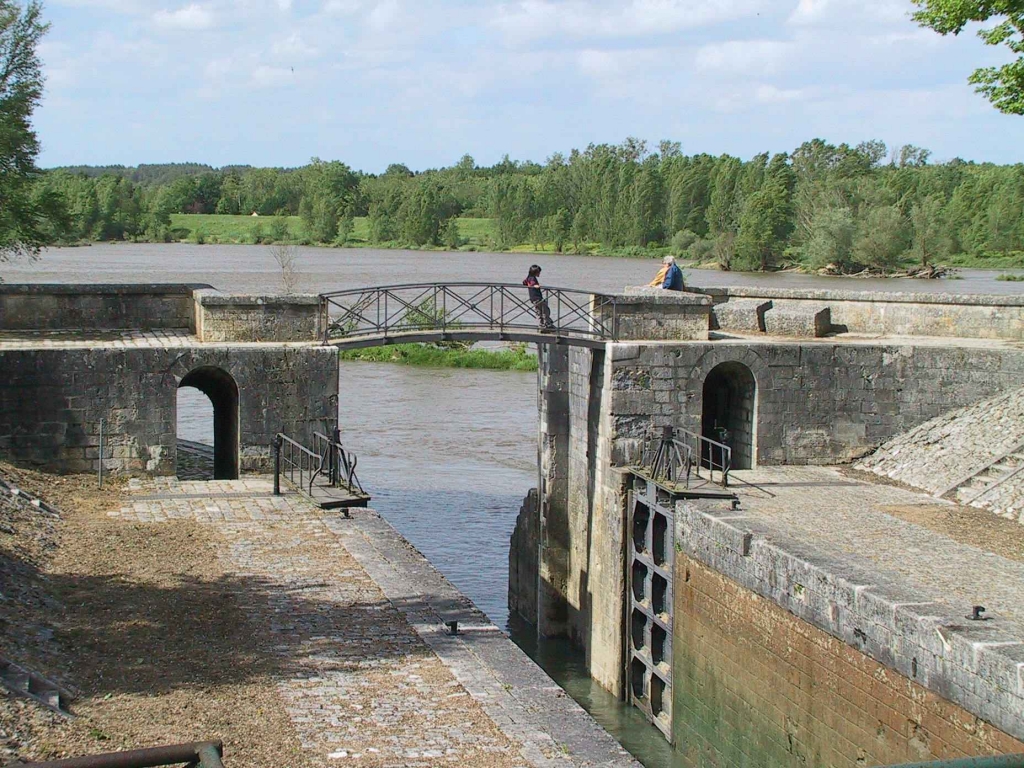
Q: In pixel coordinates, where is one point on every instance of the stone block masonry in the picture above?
(96, 307)
(815, 402)
(52, 400)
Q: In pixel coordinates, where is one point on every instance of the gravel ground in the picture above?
(143, 622)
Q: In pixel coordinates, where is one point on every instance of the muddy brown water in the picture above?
(447, 454)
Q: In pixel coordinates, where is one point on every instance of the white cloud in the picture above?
(742, 57)
(294, 47)
(872, 13)
(193, 16)
(535, 19)
(271, 77)
(770, 94)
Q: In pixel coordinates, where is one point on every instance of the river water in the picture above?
(447, 454)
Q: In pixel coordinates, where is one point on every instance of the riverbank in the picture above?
(429, 356)
(476, 234)
(322, 638)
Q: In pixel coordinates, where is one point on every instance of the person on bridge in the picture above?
(540, 304)
(669, 277)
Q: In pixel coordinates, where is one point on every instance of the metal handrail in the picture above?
(204, 754)
(328, 459)
(292, 458)
(672, 460)
(388, 309)
(341, 464)
(706, 449)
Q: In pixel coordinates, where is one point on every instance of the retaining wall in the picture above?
(786, 657)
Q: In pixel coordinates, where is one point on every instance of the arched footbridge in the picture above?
(439, 312)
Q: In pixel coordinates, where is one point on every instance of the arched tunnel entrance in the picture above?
(222, 391)
(730, 404)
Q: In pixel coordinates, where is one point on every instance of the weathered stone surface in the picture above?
(823, 549)
(52, 401)
(805, 320)
(223, 317)
(656, 314)
(746, 315)
(892, 313)
(98, 307)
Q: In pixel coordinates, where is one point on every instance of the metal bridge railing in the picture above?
(681, 453)
(392, 310)
(206, 754)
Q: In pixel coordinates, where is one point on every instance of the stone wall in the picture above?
(655, 314)
(229, 317)
(95, 307)
(780, 658)
(816, 402)
(899, 314)
(52, 400)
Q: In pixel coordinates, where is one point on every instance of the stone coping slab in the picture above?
(100, 289)
(895, 297)
(647, 294)
(213, 297)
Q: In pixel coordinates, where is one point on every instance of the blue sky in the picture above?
(370, 82)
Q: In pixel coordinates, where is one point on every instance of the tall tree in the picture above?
(1004, 86)
(22, 214)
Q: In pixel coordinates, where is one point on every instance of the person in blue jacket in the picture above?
(673, 275)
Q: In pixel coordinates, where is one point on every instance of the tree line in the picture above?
(842, 208)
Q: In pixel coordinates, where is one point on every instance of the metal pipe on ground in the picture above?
(203, 754)
(993, 761)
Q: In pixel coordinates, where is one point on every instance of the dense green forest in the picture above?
(836, 208)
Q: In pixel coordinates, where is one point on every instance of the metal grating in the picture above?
(649, 576)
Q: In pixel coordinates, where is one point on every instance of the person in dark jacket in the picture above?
(540, 304)
(673, 276)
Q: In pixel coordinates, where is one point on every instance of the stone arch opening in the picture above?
(730, 405)
(218, 385)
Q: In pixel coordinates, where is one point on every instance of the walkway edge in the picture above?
(526, 704)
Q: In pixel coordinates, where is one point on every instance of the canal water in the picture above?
(448, 455)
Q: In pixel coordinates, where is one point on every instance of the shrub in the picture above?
(681, 241)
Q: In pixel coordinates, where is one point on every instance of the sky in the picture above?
(423, 82)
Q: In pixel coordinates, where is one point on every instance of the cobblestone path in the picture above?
(361, 685)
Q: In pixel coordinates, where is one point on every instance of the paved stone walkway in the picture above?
(356, 616)
(846, 518)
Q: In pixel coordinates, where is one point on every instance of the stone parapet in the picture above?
(654, 314)
(898, 313)
(31, 307)
(221, 317)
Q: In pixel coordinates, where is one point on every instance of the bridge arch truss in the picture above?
(458, 311)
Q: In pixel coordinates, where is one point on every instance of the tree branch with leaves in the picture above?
(1004, 86)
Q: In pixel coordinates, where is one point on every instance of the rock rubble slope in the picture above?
(974, 455)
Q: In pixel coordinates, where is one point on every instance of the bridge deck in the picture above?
(414, 337)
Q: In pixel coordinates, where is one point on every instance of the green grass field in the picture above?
(218, 228)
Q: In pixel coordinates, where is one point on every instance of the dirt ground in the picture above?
(142, 622)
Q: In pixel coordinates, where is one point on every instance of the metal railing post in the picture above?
(100, 469)
(277, 464)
